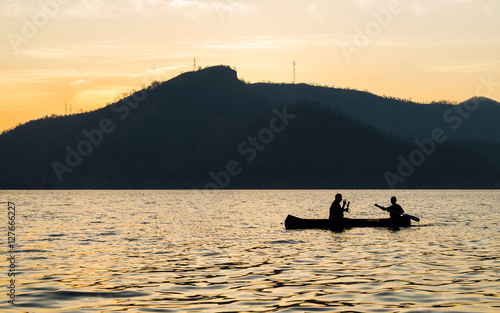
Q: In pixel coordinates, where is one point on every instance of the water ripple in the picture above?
(232, 254)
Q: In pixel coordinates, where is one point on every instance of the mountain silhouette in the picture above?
(474, 119)
(208, 129)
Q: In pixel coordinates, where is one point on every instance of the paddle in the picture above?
(407, 215)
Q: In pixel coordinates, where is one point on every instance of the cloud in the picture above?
(98, 95)
(120, 8)
(271, 42)
(78, 51)
(93, 9)
(490, 7)
(420, 7)
(157, 73)
(194, 8)
(78, 83)
(424, 6)
(322, 11)
(315, 11)
(457, 1)
(13, 10)
(468, 68)
(365, 5)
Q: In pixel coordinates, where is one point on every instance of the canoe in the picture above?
(292, 222)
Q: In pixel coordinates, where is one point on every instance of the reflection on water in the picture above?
(227, 251)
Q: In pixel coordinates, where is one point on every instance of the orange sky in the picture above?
(85, 53)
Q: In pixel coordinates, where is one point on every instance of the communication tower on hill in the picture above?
(293, 78)
(194, 64)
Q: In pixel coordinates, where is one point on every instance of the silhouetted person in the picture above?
(395, 209)
(337, 211)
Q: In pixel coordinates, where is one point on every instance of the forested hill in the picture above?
(208, 129)
(475, 119)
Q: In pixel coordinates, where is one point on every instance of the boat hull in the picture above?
(292, 222)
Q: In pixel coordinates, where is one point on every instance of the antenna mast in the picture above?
(293, 80)
(194, 64)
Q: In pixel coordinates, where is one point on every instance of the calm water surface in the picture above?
(228, 251)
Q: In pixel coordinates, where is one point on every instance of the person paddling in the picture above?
(337, 211)
(395, 209)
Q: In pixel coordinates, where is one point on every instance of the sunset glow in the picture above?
(62, 55)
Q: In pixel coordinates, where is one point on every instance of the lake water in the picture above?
(228, 251)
